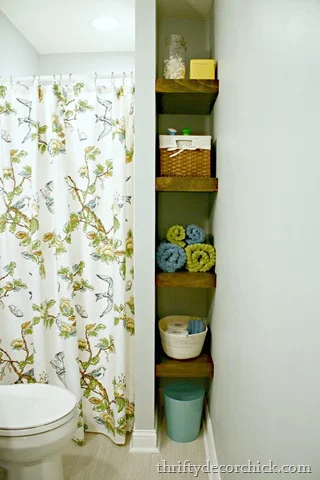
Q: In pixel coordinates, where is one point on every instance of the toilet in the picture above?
(36, 422)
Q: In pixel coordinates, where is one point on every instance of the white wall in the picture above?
(17, 55)
(266, 330)
(87, 63)
(20, 58)
(144, 213)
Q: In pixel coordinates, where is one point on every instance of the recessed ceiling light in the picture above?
(106, 24)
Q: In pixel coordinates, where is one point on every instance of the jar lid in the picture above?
(175, 39)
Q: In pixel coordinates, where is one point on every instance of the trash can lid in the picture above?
(184, 391)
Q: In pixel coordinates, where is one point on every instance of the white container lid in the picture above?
(32, 405)
(193, 141)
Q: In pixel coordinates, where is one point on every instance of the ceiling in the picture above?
(64, 26)
(188, 9)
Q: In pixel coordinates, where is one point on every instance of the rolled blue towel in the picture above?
(194, 234)
(196, 325)
(170, 257)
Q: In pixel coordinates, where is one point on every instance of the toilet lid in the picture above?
(33, 405)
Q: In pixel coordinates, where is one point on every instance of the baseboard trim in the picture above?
(146, 441)
(209, 445)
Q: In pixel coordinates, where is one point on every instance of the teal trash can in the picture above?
(183, 403)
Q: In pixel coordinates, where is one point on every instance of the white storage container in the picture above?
(180, 348)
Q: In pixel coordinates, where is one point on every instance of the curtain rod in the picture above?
(69, 76)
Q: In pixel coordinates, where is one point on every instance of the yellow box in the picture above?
(203, 69)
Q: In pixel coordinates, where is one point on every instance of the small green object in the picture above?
(186, 131)
(183, 403)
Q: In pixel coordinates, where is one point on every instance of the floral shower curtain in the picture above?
(66, 246)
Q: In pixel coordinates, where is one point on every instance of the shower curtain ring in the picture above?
(70, 78)
(123, 78)
(95, 79)
(60, 81)
(36, 78)
(132, 82)
(112, 78)
(11, 81)
(54, 78)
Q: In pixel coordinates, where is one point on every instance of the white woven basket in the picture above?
(180, 348)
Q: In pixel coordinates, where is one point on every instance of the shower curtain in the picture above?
(66, 245)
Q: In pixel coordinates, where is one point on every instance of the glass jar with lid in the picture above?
(174, 66)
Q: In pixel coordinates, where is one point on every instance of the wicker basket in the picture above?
(180, 348)
(185, 156)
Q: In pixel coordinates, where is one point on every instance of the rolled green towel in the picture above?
(200, 257)
(176, 234)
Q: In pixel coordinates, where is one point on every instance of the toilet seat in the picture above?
(30, 409)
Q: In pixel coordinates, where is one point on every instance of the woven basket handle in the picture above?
(182, 147)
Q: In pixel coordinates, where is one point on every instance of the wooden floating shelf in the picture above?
(200, 367)
(186, 279)
(193, 97)
(183, 184)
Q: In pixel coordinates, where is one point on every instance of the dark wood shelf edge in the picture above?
(181, 97)
(186, 184)
(186, 279)
(199, 367)
(187, 86)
